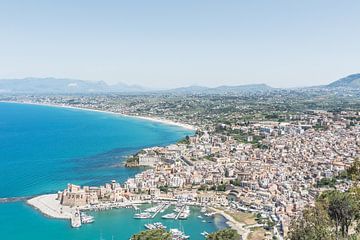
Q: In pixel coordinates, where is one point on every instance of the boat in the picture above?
(152, 209)
(184, 215)
(159, 225)
(149, 226)
(86, 218)
(156, 225)
(178, 235)
(169, 216)
(204, 233)
(210, 214)
(203, 210)
(177, 209)
(144, 215)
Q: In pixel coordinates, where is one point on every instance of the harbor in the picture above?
(177, 219)
(187, 222)
(193, 227)
(175, 213)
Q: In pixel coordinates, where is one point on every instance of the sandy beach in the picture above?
(153, 119)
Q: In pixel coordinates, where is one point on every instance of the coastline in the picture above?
(232, 223)
(50, 207)
(147, 118)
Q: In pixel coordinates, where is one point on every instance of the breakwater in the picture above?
(16, 199)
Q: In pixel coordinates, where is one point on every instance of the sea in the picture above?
(43, 148)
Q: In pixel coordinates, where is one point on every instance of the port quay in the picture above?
(52, 206)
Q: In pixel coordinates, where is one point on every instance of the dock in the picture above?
(180, 212)
(75, 219)
(16, 199)
(162, 206)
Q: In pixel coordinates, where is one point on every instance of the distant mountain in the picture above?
(122, 87)
(244, 88)
(351, 81)
(63, 85)
(251, 88)
(190, 89)
(57, 85)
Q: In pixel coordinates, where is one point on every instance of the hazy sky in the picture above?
(177, 43)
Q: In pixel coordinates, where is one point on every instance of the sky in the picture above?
(168, 44)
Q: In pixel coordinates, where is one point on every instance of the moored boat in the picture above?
(143, 215)
(169, 216)
(178, 235)
(86, 218)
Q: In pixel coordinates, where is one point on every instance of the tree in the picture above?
(155, 234)
(334, 213)
(343, 210)
(202, 187)
(354, 170)
(185, 140)
(221, 188)
(225, 234)
(164, 189)
(314, 223)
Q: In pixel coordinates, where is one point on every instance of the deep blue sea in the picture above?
(43, 148)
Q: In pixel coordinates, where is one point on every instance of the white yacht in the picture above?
(143, 215)
(86, 218)
(169, 216)
(178, 235)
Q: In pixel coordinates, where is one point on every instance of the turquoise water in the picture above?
(44, 148)
(22, 222)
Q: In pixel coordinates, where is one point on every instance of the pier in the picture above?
(135, 207)
(157, 211)
(180, 212)
(16, 199)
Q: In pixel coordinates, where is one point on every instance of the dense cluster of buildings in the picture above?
(212, 168)
(257, 162)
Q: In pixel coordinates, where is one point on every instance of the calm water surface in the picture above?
(44, 148)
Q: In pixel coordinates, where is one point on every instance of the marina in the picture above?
(117, 224)
(175, 214)
(179, 213)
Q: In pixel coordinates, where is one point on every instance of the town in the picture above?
(241, 158)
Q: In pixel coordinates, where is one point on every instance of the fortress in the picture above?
(76, 196)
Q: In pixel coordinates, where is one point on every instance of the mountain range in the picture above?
(250, 88)
(62, 85)
(351, 81)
